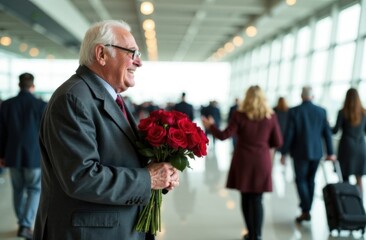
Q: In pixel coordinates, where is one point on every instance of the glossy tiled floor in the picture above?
(202, 209)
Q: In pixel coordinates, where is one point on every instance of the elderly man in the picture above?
(94, 181)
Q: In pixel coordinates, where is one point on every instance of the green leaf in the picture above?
(179, 162)
(147, 152)
(140, 144)
(191, 155)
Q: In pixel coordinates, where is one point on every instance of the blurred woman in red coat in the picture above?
(257, 130)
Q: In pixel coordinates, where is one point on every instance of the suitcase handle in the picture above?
(337, 168)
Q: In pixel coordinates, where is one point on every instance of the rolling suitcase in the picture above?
(343, 204)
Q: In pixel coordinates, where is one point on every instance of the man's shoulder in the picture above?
(306, 107)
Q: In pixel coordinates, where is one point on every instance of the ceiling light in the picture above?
(33, 52)
(152, 48)
(151, 42)
(147, 8)
(5, 41)
(238, 41)
(23, 47)
(150, 34)
(148, 25)
(50, 57)
(251, 31)
(229, 47)
(290, 2)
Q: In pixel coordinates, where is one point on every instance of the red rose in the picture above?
(157, 113)
(167, 118)
(146, 123)
(179, 115)
(186, 125)
(177, 138)
(193, 139)
(202, 134)
(156, 135)
(200, 150)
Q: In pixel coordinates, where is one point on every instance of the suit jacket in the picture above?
(186, 108)
(213, 112)
(231, 111)
(93, 180)
(307, 127)
(20, 119)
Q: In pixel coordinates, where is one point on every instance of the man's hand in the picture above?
(207, 122)
(163, 176)
(331, 157)
(283, 159)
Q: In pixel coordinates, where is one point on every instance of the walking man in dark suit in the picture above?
(185, 107)
(212, 110)
(20, 119)
(307, 126)
(94, 180)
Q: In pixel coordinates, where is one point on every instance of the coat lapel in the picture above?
(109, 104)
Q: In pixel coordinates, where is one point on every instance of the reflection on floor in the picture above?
(202, 209)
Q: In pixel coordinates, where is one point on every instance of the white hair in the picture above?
(307, 92)
(99, 33)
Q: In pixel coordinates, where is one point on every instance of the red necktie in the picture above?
(120, 103)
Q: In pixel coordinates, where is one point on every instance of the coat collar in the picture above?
(110, 106)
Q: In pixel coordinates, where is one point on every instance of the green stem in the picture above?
(150, 218)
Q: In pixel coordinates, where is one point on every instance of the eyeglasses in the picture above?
(135, 52)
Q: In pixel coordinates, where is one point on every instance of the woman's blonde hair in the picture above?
(255, 104)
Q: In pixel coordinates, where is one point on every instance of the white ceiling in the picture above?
(186, 30)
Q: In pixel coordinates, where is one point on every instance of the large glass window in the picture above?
(4, 86)
(334, 100)
(361, 90)
(288, 46)
(348, 23)
(273, 77)
(294, 97)
(247, 61)
(322, 33)
(264, 55)
(300, 69)
(363, 63)
(253, 78)
(318, 68)
(343, 62)
(255, 58)
(275, 50)
(303, 41)
(284, 80)
(4, 82)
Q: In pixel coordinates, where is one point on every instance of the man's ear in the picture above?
(32, 88)
(100, 54)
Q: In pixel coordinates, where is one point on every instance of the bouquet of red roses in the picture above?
(169, 136)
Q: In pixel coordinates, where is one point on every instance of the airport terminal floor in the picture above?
(202, 209)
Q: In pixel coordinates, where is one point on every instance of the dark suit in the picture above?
(186, 108)
(94, 182)
(214, 112)
(232, 110)
(307, 126)
(20, 119)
